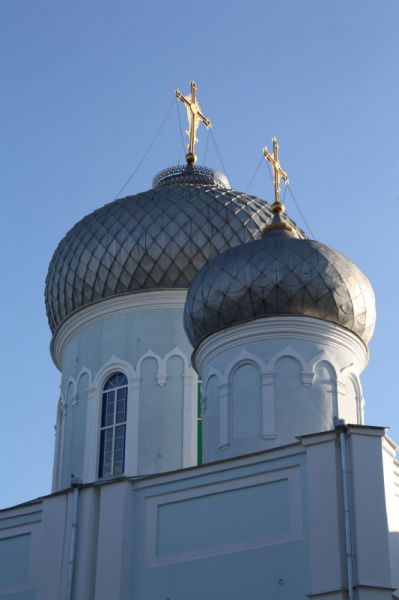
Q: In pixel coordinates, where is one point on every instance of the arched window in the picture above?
(113, 426)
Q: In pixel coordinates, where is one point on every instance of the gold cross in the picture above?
(278, 171)
(194, 115)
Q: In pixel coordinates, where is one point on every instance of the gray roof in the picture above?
(279, 275)
(153, 240)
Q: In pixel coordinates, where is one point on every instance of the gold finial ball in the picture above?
(191, 158)
(278, 207)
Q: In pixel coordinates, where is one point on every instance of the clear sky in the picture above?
(85, 87)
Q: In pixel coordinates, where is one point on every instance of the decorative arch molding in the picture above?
(70, 389)
(308, 367)
(85, 371)
(75, 384)
(148, 354)
(162, 364)
(213, 372)
(218, 375)
(325, 359)
(268, 428)
(113, 365)
(330, 386)
(245, 383)
(244, 357)
(360, 402)
(288, 352)
(180, 354)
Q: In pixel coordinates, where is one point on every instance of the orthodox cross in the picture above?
(194, 115)
(278, 171)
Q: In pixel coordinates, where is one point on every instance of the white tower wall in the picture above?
(273, 379)
(142, 336)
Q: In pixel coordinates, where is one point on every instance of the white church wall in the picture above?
(85, 566)
(128, 325)
(59, 431)
(245, 391)
(66, 468)
(325, 525)
(291, 400)
(307, 369)
(211, 409)
(161, 417)
(391, 481)
(37, 566)
(370, 526)
(120, 333)
(79, 412)
(270, 521)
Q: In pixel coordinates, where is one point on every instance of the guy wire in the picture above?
(146, 152)
(180, 126)
(218, 153)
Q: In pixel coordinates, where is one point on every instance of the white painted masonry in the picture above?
(266, 523)
(282, 376)
(142, 336)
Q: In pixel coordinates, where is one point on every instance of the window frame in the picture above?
(110, 397)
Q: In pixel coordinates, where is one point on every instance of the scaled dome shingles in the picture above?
(279, 275)
(156, 239)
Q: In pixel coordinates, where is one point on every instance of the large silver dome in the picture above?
(279, 275)
(157, 239)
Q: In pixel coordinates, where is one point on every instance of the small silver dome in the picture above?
(190, 174)
(157, 239)
(279, 275)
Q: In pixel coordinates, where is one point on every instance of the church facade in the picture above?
(210, 437)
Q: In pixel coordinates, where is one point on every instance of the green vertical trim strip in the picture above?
(199, 423)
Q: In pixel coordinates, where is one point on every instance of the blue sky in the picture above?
(85, 86)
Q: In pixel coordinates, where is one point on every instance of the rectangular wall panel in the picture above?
(14, 560)
(226, 517)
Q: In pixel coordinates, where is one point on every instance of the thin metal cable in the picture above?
(146, 152)
(180, 127)
(284, 193)
(206, 146)
(254, 175)
(300, 212)
(287, 186)
(218, 153)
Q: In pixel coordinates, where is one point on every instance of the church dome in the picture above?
(275, 276)
(158, 239)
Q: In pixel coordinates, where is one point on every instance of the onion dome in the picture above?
(158, 239)
(275, 276)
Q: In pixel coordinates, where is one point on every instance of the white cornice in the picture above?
(285, 327)
(115, 306)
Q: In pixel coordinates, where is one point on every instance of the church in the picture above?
(210, 437)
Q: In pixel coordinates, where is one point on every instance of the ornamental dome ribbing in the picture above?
(157, 239)
(275, 276)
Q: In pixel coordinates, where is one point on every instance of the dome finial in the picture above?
(194, 116)
(278, 207)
